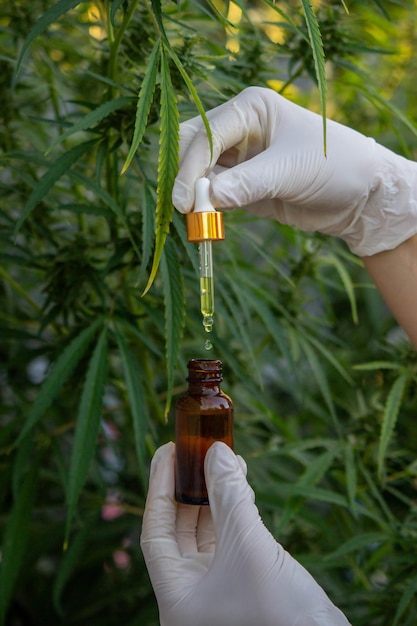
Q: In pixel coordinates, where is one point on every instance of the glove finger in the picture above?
(160, 514)
(263, 177)
(186, 527)
(171, 574)
(243, 545)
(291, 190)
(188, 130)
(230, 128)
(206, 540)
(231, 498)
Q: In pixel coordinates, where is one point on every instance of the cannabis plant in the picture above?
(100, 302)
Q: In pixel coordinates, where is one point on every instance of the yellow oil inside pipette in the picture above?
(206, 285)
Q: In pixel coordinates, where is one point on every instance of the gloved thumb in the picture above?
(231, 497)
(279, 588)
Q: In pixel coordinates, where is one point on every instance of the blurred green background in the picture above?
(322, 378)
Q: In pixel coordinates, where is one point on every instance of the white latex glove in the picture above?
(272, 161)
(219, 565)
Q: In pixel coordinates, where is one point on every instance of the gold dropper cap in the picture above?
(204, 223)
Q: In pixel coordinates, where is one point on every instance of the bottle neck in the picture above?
(204, 376)
(203, 387)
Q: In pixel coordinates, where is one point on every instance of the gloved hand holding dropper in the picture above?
(272, 159)
(268, 156)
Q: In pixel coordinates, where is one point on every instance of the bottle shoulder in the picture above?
(199, 401)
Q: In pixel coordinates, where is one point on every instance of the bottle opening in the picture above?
(205, 369)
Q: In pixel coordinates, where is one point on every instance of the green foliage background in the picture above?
(322, 379)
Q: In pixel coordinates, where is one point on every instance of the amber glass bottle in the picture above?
(202, 415)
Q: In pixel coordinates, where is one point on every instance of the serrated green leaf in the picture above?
(409, 594)
(314, 472)
(67, 565)
(87, 425)
(147, 213)
(85, 209)
(257, 300)
(318, 372)
(351, 477)
(51, 15)
(58, 376)
(22, 464)
(346, 8)
(91, 119)
(100, 158)
(252, 238)
(328, 356)
(317, 49)
(138, 406)
(305, 491)
(307, 444)
(167, 164)
(100, 193)
(58, 168)
(101, 78)
(156, 6)
(358, 542)
(290, 510)
(18, 288)
(174, 312)
(374, 96)
(377, 497)
(221, 18)
(195, 96)
(107, 199)
(318, 467)
(273, 5)
(389, 419)
(270, 321)
(191, 250)
(377, 365)
(15, 538)
(322, 495)
(346, 281)
(147, 340)
(145, 99)
(236, 323)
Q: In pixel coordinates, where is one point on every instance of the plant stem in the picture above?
(116, 40)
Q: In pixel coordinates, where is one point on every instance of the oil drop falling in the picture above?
(208, 345)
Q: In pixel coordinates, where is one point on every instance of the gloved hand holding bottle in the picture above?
(268, 156)
(219, 565)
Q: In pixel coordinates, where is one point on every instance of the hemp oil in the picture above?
(206, 285)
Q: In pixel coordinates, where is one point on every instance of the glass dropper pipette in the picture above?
(205, 225)
(206, 284)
